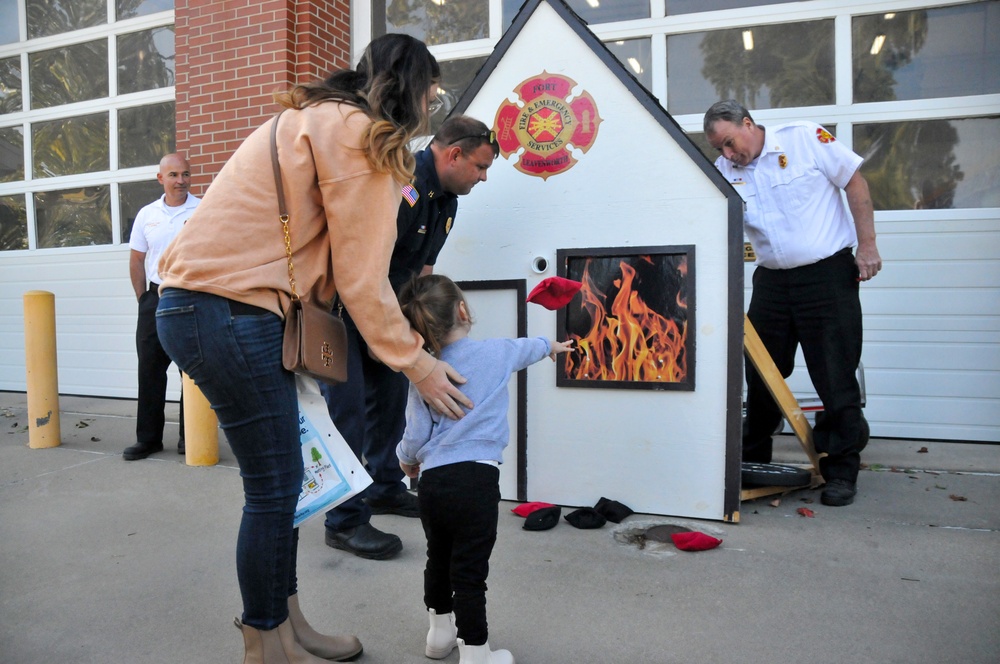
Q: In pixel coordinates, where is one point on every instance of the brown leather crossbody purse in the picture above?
(315, 341)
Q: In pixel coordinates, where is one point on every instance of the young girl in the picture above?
(458, 464)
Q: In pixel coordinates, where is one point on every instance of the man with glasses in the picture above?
(369, 409)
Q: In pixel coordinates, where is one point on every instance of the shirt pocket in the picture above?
(791, 188)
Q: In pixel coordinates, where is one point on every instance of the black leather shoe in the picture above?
(838, 493)
(141, 451)
(365, 541)
(403, 503)
(180, 446)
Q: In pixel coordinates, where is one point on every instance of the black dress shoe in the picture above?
(365, 541)
(141, 451)
(403, 503)
(180, 446)
(838, 493)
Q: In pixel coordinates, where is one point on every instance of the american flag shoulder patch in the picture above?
(410, 194)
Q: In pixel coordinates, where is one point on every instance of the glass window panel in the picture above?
(942, 52)
(13, 223)
(437, 21)
(931, 164)
(145, 134)
(70, 145)
(11, 154)
(456, 76)
(10, 85)
(9, 22)
(130, 8)
(53, 17)
(69, 74)
(765, 66)
(636, 55)
(132, 197)
(73, 217)
(591, 11)
(675, 7)
(146, 60)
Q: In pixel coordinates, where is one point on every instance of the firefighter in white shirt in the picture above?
(806, 285)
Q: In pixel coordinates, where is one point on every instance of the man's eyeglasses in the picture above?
(489, 136)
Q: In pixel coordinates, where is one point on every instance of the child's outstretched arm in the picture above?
(560, 347)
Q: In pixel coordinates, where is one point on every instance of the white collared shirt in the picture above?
(155, 227)
(794, 213)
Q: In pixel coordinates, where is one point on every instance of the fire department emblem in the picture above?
(823, 136)
(548, 121)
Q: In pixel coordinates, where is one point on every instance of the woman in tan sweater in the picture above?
(342, 146)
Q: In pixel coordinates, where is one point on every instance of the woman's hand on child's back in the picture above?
(560, 347)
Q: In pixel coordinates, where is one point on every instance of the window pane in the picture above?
(73, 217)
(591, 11)
(146, 60)
(145, 134)
(637, 57)
(130, 8)
(944, 52)
(931, 164)
(9, 22)
(766, 66)
(10, 85)
(13, 223)
(11, 154)
(69, 74)
(456, 75)
(132, 197)
(675, 7)
(437, 21)
(52, 17)
(70, 145)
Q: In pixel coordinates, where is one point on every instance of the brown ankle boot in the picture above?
(335, 648)
(275, 646)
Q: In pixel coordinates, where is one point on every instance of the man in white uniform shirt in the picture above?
(806, 285)
(155, 227)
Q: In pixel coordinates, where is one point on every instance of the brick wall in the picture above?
(232, 55)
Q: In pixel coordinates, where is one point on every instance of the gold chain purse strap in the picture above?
(282, 208)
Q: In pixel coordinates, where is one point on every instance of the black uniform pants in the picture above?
(817, 306)
(153, 365)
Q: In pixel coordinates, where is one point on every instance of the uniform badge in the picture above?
(823, 136)
(447, 226)
(410, 194)
(422, 230)
(782, 161)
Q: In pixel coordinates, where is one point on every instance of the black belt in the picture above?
(244, 309)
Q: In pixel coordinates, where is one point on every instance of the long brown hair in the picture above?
(431, 304)
(390, 84)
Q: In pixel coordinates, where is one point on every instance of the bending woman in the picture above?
(343, 155)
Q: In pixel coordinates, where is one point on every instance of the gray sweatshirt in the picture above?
(432, 440)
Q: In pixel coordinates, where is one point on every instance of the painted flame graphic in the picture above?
(631, 341)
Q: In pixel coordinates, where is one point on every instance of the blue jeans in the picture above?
(369, 411)
(235, 358)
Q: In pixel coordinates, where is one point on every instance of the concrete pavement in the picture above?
(104, 561)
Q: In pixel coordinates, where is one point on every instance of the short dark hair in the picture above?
(466, 132)
(729, 110)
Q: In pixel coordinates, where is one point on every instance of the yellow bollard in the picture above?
(201, 426)
(42, 375)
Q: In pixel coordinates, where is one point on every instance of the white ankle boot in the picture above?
(441, 635)
(482, 654)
